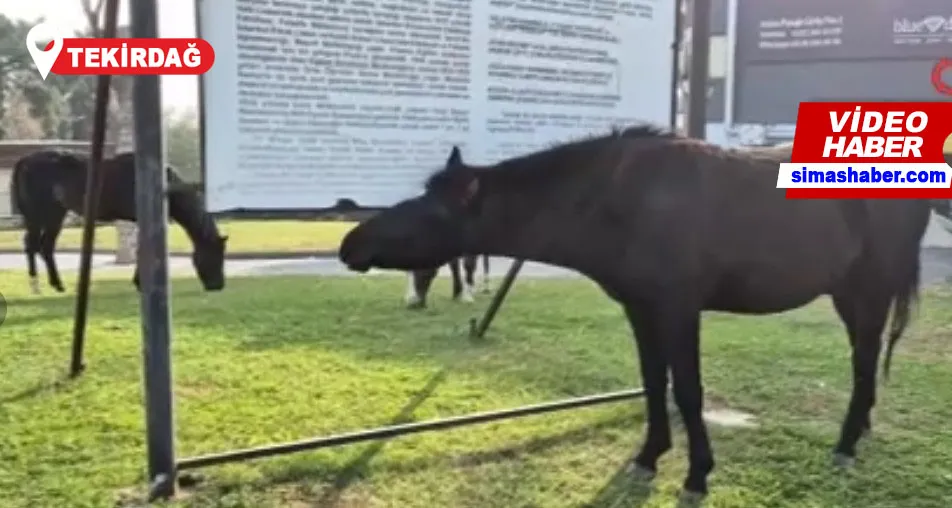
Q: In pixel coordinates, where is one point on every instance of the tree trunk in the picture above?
(126, 232)
(126, 236)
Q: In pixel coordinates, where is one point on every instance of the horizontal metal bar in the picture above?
(403, 429)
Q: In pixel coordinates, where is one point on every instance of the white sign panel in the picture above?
(313, 101)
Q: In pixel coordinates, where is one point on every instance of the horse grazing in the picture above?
(419, 282)
(669, 227)
(47, 183)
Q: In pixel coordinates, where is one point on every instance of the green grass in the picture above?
(287, 358)
(245, 237)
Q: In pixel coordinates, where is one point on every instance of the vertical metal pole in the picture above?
(477, 331)
(152, 260)
(730, 70)
(698, 72)
(91, 201)
(676, 65)
(202, 155)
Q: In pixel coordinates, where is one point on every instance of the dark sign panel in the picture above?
(819, 50)
(771, 94)
(810, 30)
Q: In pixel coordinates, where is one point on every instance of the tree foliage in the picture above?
(63, 105)
(182, 147)
(15, 61)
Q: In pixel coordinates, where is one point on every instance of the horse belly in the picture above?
(780, 258)
(772, 289)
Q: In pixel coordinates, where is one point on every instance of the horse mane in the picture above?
(558, 159)
(56, 154)
(185, 203)
(191, 202)
(779, 151)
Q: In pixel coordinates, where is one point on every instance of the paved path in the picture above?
(263, 267)
(936, 266)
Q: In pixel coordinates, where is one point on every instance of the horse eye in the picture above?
(443, 211)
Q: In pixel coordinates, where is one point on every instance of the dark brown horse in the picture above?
(419, 281)
(47, 183)
(670, 227)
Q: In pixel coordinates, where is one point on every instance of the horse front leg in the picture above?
(457, 279)
(469, 275)
(418, 285)
(654, 379)
(677, 328)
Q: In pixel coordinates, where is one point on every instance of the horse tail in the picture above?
(19, 197)
(906, 296)
(903, 302)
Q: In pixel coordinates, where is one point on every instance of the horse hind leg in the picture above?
(845, 309)
(51, 230)
(870, 311)
(486, 287)
(31, 246)
(469, 284)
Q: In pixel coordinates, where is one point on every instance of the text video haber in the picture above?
(894, 122)
(869, 150)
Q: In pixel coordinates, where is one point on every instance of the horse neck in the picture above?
(528, 225)
(186, 209)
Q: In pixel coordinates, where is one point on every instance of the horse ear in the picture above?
(223, 238)
(472, 189)
(467, 187)
(455, 159)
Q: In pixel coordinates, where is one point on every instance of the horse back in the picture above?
(47, 180)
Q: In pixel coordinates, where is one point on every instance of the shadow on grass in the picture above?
(39, 388)
(622, 491)
(357, 467)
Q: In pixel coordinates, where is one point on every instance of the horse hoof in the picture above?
(640, 473)
(843, 461)
(34, 286)
(690, 498)
(414, 301)
(466, 295)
